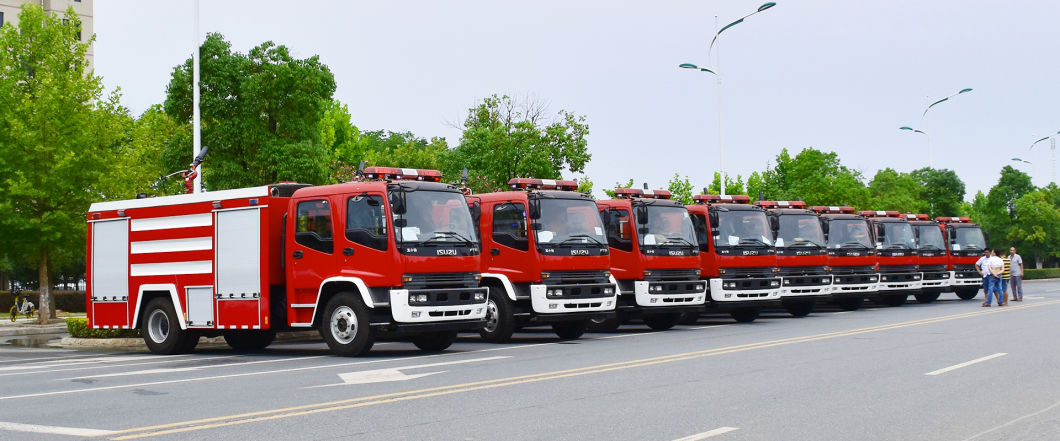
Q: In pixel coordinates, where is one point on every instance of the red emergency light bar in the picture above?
(954, 220)
(917, 217)
(822, 209)
(880, 213)
(627, 193)
(543, 184)
(403, 174)
(781, 204)
(719, 199)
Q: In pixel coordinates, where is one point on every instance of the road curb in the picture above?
(12, 331)
(137, 342)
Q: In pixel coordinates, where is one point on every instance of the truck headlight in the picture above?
(825, 280)
(480, 297)
(774, 283)
(883, 277)
(609, 290)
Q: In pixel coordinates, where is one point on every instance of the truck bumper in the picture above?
(934, 281)
(965, 281)
(903, 282)
(400, 329)
(404, 313)
(652, 294)
(720, 293)
(544, 319)
(807, 291)
(595, 297)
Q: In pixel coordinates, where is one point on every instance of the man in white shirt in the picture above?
(996, 267)
(1016, 278)
(984, 272)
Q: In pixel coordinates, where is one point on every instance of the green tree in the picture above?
(1037, 232)
(611, 193)
(504, 139)
(891, 190)
(732, 186)
(996, 211)
(585, 185)
(756, 185)
(139, 158)
(261, 115)
(681, 189)
(942, 189)
(57, 140)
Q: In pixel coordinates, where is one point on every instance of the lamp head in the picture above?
(770, 5)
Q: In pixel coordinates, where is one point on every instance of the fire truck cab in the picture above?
(802, 257)
(896, 257)
(246, 263)
(653, 258)
(966, 242)
(932, 257)
(736, 254)
(548, 259)
(851, 255)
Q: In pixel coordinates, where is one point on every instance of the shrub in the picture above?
(1044, 273)
(77, 326)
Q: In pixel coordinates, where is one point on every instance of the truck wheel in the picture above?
(345, 326)
(746, 315)
(249, 341)
(161, 330)
(605, 325)
(688, 318)
(500, 323)
(967, 293)
(850, 303)
(570, 330)
(893, 300)
(927, 297)
(661, 322)
(434, 341)
(800, 309)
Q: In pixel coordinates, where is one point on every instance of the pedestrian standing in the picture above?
(1017, 274)
(1006, 272)
(984, 272)
(996, 267)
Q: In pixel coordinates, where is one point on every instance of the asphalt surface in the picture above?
(949, 370)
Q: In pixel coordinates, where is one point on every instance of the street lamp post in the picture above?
(1052, 148)
(721, 149)
(196, 128)
(923, 120)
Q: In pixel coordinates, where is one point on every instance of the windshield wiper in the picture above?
(930, 247)
(753, 241)
(895, 246)
(678, 238)
(851, 244)
(580, 236)
(440, 234)
(805, 242)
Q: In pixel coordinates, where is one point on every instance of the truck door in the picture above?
(366, 242)
(310, 255)
(511, 246)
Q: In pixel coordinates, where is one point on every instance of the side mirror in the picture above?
(642, 231)
(713, 221)
(774, 224)
(642, 214)
(535, 226)
(535, 208)
(476, 211)
(397, 202)
(401, 223)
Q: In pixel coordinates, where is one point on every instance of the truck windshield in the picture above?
(570, 222)
(436, 217)
(896, 235)
(930, 237)
(968, 238)
(743, 227)
(668, 226)
(799, 230)
(849, 233)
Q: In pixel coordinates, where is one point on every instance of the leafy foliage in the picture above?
(681, 189)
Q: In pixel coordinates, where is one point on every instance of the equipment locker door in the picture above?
(238, 268)
(110, 273)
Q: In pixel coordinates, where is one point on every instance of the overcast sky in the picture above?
(835, 75)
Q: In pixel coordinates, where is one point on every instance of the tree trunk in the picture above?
(44, 287)
(1038, 261)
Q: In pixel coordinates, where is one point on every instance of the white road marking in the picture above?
(53, 430)
(1034, 297)
(1054, 405)
(708, 434)
(168, 359)
(967, 363)
(395, 374)
(194, 368)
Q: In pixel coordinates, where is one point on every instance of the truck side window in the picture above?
(699, 221)
(312, 226)
(619, 230)
(509, 226)
(366, 221)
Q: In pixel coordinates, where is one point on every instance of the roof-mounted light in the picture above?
(402, 174)
(719, 199)
(542, 184)
(916, 217)
(831, 209)
(781, 204)
(954, 220)
(628, 193)
(880, 213)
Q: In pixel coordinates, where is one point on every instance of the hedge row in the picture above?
(1044, 273)
(78, 328)
(69, 301)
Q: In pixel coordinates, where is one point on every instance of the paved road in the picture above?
(951, 370)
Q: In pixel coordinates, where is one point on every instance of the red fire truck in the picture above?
(653, 258)
(932, 257)
(896, 257)
(851, 255)
(736, 254)
(967, 242)
(248, 262)
(802, 257)
(548, 260)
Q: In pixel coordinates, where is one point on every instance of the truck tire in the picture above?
(661, 322)
(744, 315)
(799, 309)
(344, 326)
(927, 297)
(967, 293)
(434, 341)
(570, 330)
(688, 318)
(249, 340)
(893, 300)
(850, 303)
(605, 325)
(161, 329)
(500, 323)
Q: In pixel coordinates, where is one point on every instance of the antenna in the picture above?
(360, 170)
(645, 185)
(761, 195)
(463, 178)
(706, 190)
